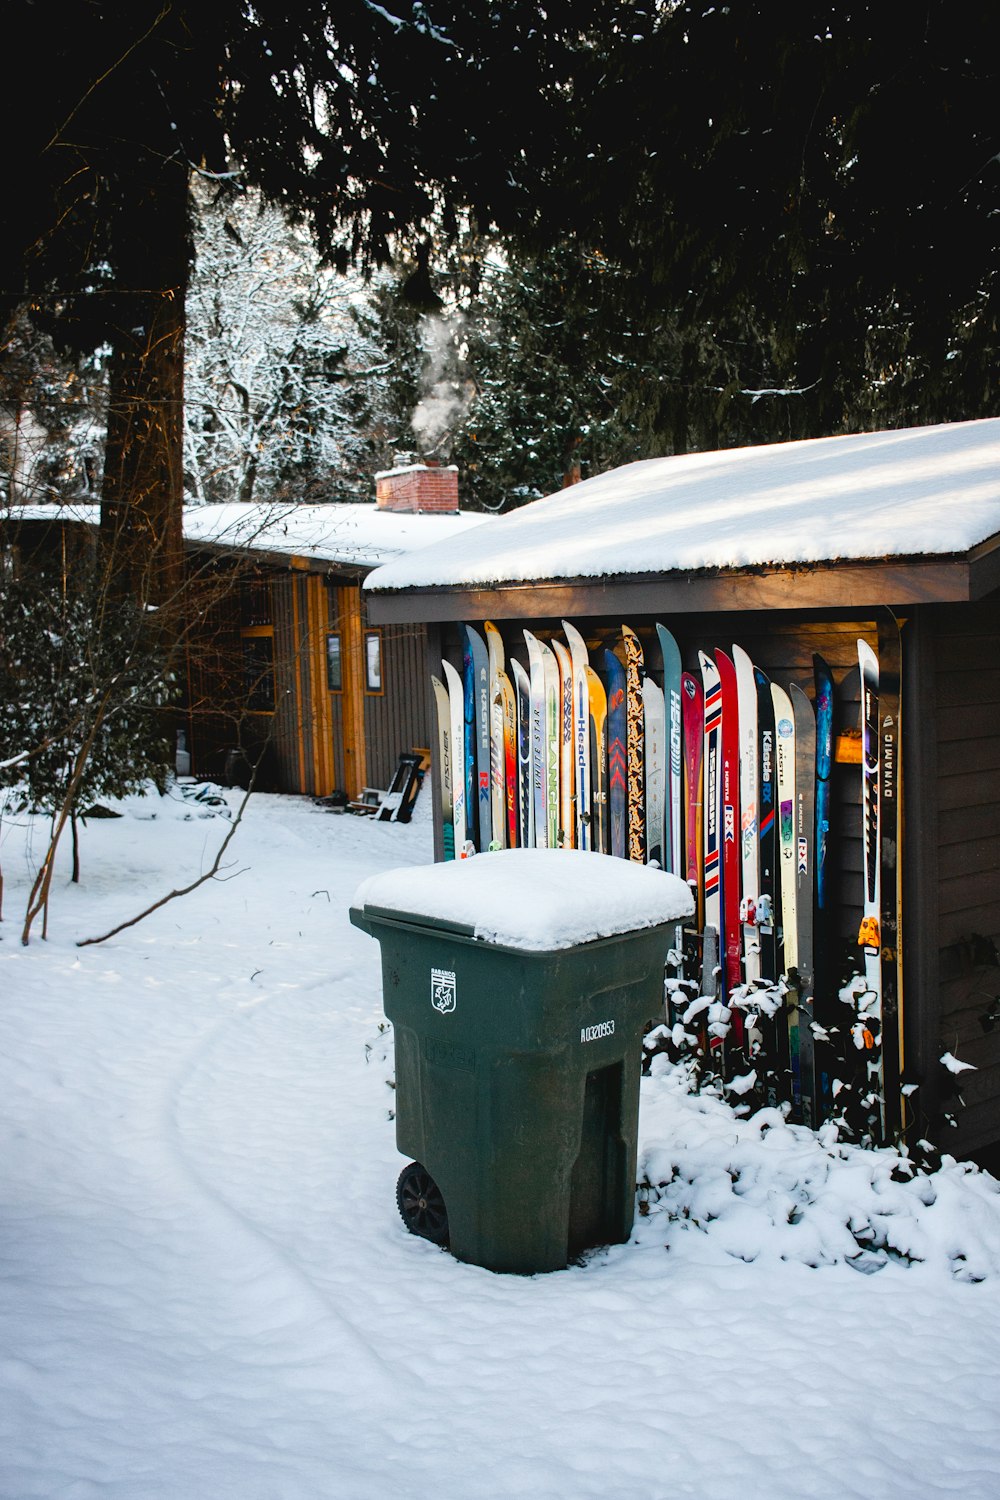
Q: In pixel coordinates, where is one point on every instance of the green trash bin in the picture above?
(518, 1044)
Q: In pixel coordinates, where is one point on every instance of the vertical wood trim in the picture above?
(300, 748)
(325, 696)
(291, 774)
(304, 660)
(433, 665)
(319, 704)
(353, 700)
(312, 704)
(920, 833)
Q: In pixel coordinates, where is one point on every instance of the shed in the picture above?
(286, 660)
(281, 659)
(790, 549)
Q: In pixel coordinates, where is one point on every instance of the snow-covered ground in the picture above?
(205, 1291)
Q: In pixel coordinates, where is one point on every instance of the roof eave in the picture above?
(834, 585)
(266, 557)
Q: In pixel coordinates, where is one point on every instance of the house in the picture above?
(285, 663)
(791, 549)
(281, 663)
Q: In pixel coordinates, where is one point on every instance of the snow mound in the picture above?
(761, 1189)
(537, 899)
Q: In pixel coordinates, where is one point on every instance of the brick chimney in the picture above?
(424, 488)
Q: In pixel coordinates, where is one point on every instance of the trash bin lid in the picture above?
(533, 899)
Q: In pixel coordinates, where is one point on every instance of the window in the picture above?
(334, 667)
(258, 673)
(373, 661)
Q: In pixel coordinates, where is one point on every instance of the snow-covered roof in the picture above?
(354, 535)
(913, 492)
(82, 513)
(413, 468)
(361, 535)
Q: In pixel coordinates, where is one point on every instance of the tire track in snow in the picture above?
(350, 1349)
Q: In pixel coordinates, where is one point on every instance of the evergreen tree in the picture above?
(83, 683)
(382, 408)
(825, 174)
(360, 120)
(539, 369)
(807, 193)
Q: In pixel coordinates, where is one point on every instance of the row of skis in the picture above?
(725, 779)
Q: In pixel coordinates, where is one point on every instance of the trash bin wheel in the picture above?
(421, 1206)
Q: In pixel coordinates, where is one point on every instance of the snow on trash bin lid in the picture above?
(537, 899)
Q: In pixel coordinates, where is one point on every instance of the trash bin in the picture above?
(519, 984)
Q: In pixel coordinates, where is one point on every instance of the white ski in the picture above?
(442, 703)
(581, 735)
(655, 766)
(456, 700)
(746, 695)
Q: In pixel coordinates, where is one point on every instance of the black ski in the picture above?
(801, 1034)
(890, 750)
(775, 1027)
(825, 987)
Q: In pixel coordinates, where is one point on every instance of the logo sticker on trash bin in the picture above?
(443, 990)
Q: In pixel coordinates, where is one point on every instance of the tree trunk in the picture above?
(142, 497)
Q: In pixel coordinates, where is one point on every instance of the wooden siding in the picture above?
(315, 740)
(334, 623)
(311, 750)
(219, 716)
(288, 761)
(350, 708)
(966, 686)
(399, 717)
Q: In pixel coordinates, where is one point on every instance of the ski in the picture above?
(567, 770)
(457, 709)
(824, 987)
(598, 702)
(711, 765)
(870, 1015)
(773, 1026)
(617, 756)
(634, 746)
(746, 689)
(508, 719)
(442, 705)
(525, 799)
(729, 747)
(654, 766)
(539, 744)
(890, 828)
(766, 828)
(580, 658)
(498, 800)
(481, 719)
(673, 852)
(787, 965)
(553, 743)
(693, 740)
(804, 719)
(471, 779)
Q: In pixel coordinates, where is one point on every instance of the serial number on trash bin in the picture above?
(598, 1032)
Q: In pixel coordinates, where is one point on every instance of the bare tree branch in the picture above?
(185, 890)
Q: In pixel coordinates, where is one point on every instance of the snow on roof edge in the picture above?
(898, 495)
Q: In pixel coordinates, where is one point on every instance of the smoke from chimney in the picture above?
(446, 391)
